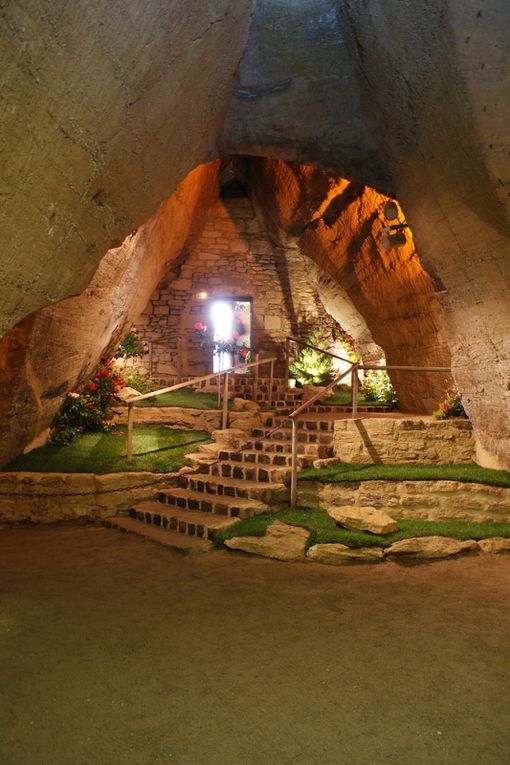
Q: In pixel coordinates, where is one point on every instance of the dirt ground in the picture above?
(114, 650)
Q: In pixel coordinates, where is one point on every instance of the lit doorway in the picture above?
(231, 323)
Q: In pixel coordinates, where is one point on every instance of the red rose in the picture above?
(91, 386)
(90, 404)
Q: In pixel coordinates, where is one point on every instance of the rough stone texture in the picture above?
(174, 417)
(50, 497)
(233, 258)
(494, 545)
(49, 352)
(364, 518)
(430, 547)
(338, 225)
(399, 440)
(340, 555)
(280, 541)
(426, 500)
(103, 114)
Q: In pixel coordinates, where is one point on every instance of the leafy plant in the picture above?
(377, 387)
(311, 366)
(139, 380)
(230, 345)
(130, 347)
(87, 409)
(451, 405)
(347, 342)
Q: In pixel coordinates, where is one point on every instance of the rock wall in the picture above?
(338, 225)
(105, 109)
(423, 500)
(233, 258)
(391, 441)
(49, 352)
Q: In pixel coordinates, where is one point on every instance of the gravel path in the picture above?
(114, 650)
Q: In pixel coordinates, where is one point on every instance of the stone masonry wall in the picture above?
(233, 258)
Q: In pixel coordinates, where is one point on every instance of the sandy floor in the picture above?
(113, 650)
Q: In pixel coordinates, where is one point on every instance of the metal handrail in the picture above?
(190, 383)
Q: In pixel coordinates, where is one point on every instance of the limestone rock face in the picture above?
(49, 352)
(363, 519)
(430, 547)
(495, 545)
(100, 126)
(281, 541)
(340, 555)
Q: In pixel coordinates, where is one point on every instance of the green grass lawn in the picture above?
(343, 397)
(155, 449)
(185, 397)
(325, 530)
(346, 471)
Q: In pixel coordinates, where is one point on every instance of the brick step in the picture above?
(346, 408)
(232, 507)
(276, 459)
(246, 472)
(161, 536)
(304, 424)
(303, 436)
(317, 451)
(194, 523)
(229, 488)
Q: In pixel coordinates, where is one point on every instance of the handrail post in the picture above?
(130, 433)
(256, 382)
(354, 390)
(293, 477)
(224, 419)
(271, 379)
(287, 361)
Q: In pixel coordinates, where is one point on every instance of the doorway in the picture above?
(231, 322)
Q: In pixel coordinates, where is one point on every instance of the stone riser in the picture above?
(194, 482)
(264, 458)
(173, 523)
(284, 422)
(303, 437)
(229, 507)
(245, 472)
(285, 447)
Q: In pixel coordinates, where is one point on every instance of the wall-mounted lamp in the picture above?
(202, 295)
(394, 235)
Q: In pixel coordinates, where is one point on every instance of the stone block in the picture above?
(340, 555)
(433, 547)
(363, 519)
(281, 541)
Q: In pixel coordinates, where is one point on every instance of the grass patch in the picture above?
(186, 398)
(324, 529)
(343, 397)
(156, 449)
(345, 471)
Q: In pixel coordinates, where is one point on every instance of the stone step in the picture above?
(324, 438)
(304, 424)
(246, 472)
(318, 451)
(346, 408)
(194, 523)
(232, 507)
(276, 459)
(229, 488)
(161, 536)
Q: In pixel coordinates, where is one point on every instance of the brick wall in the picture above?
(233, 258)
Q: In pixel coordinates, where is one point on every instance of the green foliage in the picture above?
(347, 342)
(156, 448)
(377, 387)
(139, 380)
(324, 529)
(451, 406)
(130, 347)
(313, 367)
(346, 471)
(88, 408)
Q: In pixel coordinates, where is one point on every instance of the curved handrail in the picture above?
(194, 381)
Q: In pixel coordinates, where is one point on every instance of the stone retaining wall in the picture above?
(174, 417)
(425, 500)
(413, 439)
(49, 497)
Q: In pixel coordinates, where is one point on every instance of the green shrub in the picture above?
(377, 387)
(139, 380)
(313, 367)
(130, 347)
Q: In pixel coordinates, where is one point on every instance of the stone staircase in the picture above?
(240, 483)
